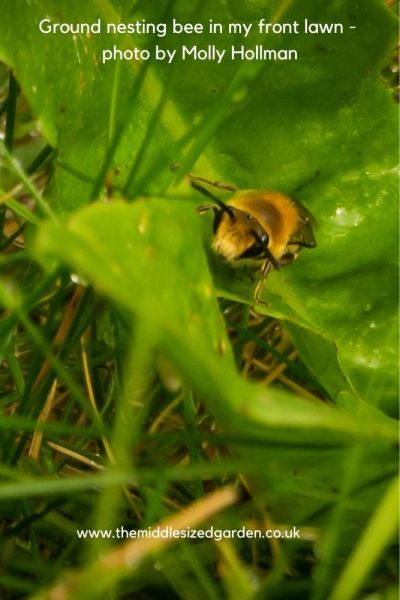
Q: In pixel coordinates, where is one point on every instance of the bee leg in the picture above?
(217, 184)
(224, 207)
(253, 272)
(260, 285)
(205, 208)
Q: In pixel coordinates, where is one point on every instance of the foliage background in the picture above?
(133, 374)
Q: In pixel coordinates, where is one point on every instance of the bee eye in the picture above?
(254, 251)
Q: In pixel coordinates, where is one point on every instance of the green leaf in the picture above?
(148, 258)
(330, 113)
(258, 125)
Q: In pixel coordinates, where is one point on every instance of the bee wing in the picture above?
(305, 235)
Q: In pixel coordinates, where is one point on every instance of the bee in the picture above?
(266, 229)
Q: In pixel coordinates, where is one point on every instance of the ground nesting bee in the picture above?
(263, 228)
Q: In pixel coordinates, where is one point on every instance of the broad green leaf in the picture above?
(340, 120)
(331, 114)
(148, 258)
(258, 125)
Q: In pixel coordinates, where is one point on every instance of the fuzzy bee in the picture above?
(264, 228)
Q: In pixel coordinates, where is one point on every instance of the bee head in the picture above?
(239, 236)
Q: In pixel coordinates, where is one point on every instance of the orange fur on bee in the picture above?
(276, 213)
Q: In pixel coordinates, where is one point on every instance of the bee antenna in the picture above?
(225, 208)
(272, 258)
